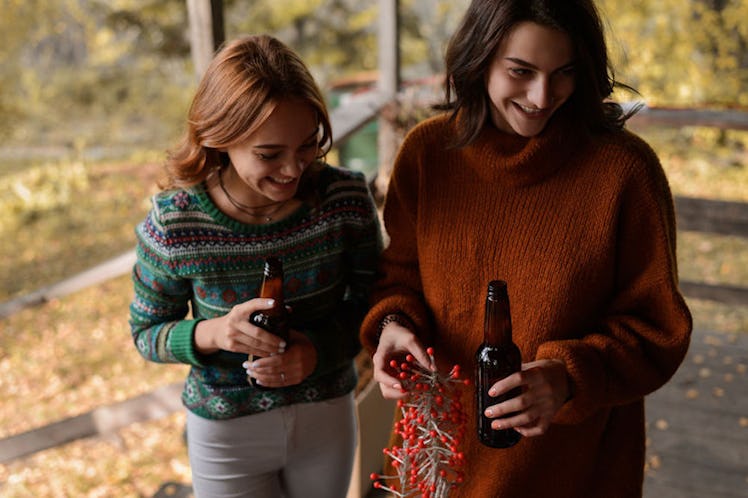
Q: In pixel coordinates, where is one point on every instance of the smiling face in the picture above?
(267, 167)
(531, 75)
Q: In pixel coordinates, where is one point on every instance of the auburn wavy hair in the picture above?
(243, 84)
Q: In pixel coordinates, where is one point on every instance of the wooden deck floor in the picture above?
(698, 423)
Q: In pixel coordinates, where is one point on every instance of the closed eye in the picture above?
(268, 157)
(519, 71)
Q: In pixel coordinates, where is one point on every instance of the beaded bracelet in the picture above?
(396, 318)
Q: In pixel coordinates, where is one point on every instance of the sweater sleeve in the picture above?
(158, 312)
(398, 289)
(645, 331)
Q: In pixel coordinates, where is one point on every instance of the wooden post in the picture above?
(388, 85)
(206, 31)
(388, 41)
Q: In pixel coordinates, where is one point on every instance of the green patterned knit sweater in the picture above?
(194, 263)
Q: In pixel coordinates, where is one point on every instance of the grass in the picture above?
(74, 354)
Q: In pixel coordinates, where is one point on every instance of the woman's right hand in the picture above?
(234, 332)
(396, 342)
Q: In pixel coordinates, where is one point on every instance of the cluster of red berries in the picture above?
(431, 431)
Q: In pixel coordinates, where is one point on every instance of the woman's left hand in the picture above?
(286, 369)
(545, 388)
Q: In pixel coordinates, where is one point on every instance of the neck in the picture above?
(263, 212)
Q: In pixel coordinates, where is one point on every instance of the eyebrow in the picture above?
(280, 146)
(533, 66)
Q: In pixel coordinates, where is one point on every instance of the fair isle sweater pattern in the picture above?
(194, 260)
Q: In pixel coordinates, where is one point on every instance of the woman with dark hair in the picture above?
(531, 178)
(249, 182)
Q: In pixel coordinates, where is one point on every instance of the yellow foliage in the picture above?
(37, 190)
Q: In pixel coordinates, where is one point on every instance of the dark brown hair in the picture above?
(242, 86)
(488, 22)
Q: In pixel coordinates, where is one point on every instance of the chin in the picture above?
(529, 131)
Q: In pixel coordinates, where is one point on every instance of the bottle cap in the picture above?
(497, 288)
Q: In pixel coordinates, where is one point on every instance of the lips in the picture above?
(282, 181)
(531, 111)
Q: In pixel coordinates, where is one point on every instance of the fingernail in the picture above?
(489, 413)
(245, 364)
(282, 345)
(270, 302)
(492, 392)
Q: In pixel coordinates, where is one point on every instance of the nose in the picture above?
(540, 93)
(295, 166)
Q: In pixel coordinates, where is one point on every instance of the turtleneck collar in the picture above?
(519, 161)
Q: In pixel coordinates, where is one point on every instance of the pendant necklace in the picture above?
(266, 217)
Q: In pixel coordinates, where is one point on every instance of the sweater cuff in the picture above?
(410, 311)
(586, 378)
(182, 343)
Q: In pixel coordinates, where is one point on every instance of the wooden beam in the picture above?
(158, 403)
(357, 111)
(712, 216)
(112, 268)
(388, 40)
(206, 31)
(388, 84)
(731, 119)
(725, 294)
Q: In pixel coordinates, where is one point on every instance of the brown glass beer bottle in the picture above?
(496, 358)
(275, 319)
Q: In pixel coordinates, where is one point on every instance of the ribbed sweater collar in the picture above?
(518, 161)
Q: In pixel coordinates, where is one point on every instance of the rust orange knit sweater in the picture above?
(583, 231)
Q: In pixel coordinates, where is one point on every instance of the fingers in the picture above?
(269, 372)
(542, 388)
(265, 343)
(240, 336)
(389, 385)
(396, 342)
(288, 368)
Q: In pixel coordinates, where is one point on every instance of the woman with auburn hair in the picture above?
(530, 177)
(249, 182)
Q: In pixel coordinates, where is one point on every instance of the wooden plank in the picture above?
(355, 112)
(159, 403)
(732, 119)
(726, 294)
(712, 216)
(113, 268)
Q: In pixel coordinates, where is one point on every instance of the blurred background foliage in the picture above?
(95, 73)
(91, 74)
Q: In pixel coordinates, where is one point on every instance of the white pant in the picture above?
(299, 451)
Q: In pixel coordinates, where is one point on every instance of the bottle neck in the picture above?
(272, 288)
(272, 282)
(497, 328)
